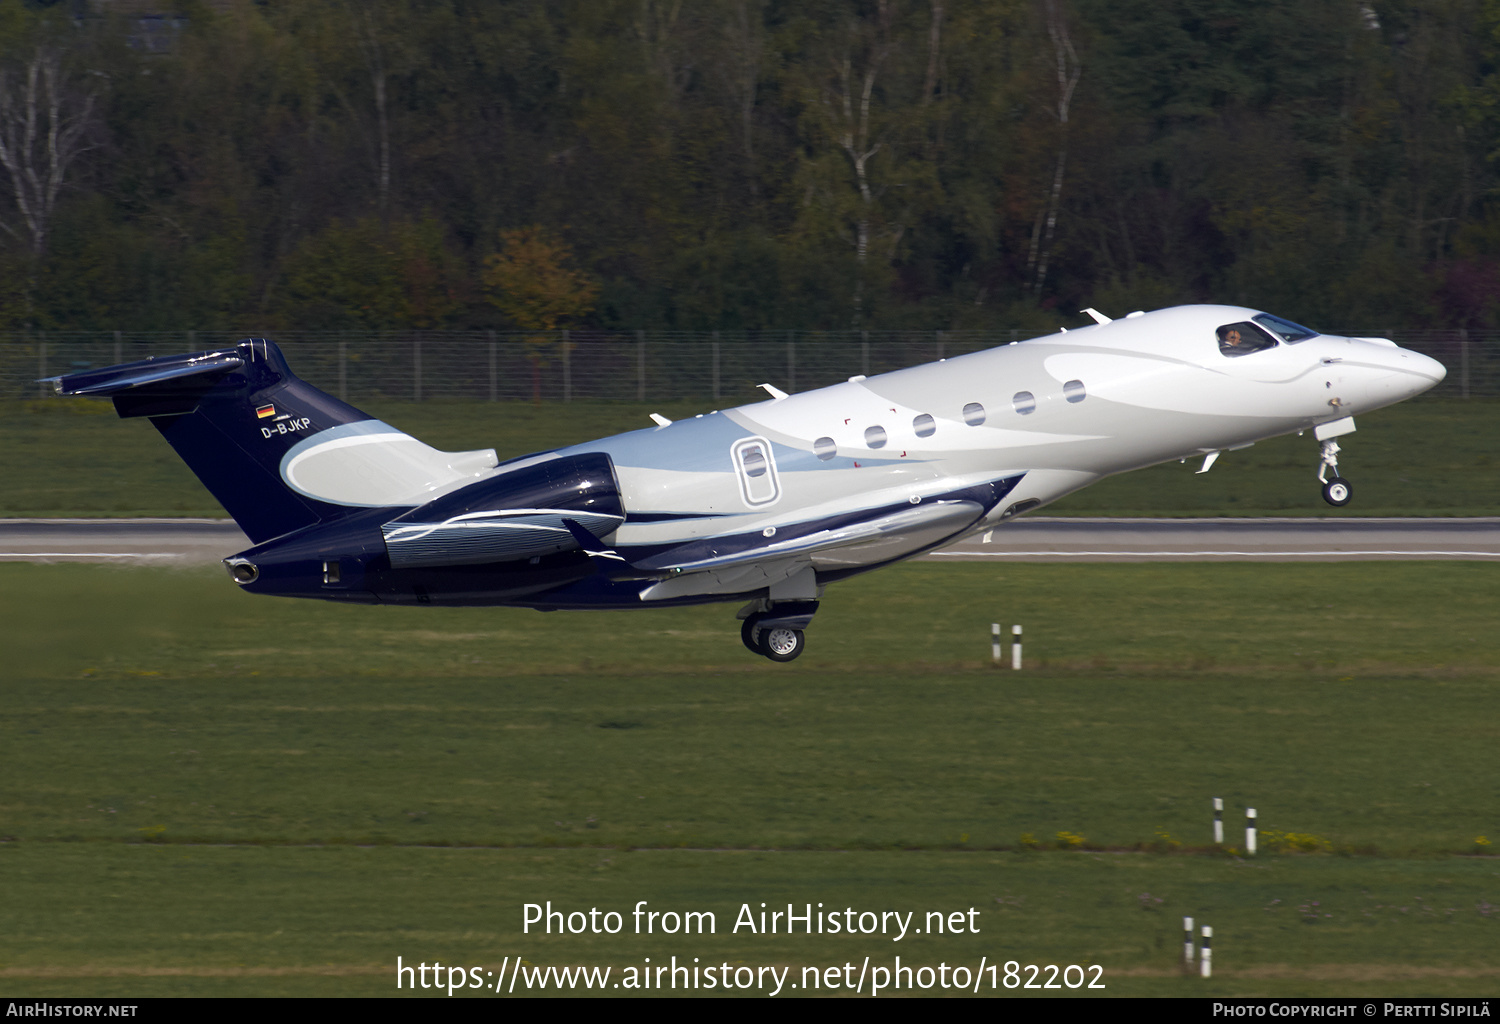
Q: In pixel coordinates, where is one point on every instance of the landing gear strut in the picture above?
(1336, 491)
(775, 632)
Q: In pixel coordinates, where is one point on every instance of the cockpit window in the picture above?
(1243, 338)
(1284, 329)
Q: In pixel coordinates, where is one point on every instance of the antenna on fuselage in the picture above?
(1099, 318)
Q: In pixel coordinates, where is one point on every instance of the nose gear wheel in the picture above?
(1336, 491)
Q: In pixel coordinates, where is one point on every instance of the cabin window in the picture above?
(973, 414)
(1243, 338)
(753, 458)
(1074, 391)
(1025, 402)
(924, 425)
(875, 437)
(824, 448)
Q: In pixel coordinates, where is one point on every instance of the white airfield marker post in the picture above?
(1206, 961)
(1250, 831)
(1187, 940)
(995, 642)
(1218, 821)
(1015, 648)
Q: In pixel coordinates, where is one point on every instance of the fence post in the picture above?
(416, 367)
(791, 361)
(118, 349)
(864, 352)
(567, 347)
(1463, 361)
(343, 369)
(640, 366)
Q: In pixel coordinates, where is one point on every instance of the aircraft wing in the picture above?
(924, 524)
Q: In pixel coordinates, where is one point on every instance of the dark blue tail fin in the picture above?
(277, 453)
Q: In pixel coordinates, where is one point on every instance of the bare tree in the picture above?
(1068, 69)
(369, 33)
(934, 43)
(868, 114)
(849, 112)
(44, 127)
(657, 27)
(745, 40)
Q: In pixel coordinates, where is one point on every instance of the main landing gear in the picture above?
(775, 642)
(1336, 491)
(776, 632)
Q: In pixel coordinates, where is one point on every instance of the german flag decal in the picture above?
(264, 411)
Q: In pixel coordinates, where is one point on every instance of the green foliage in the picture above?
(373, 274)
(531, 280)
(748, 164)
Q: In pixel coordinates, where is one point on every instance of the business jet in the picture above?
(765, 504)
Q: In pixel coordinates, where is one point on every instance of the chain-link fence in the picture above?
(563, 366)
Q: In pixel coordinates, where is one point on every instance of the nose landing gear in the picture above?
(1336, 491)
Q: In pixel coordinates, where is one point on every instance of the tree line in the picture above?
(745, 164)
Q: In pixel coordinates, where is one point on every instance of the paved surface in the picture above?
(148, 541)
(1044, 539)
(1038, 539)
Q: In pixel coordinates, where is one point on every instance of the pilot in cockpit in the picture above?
(1241, 339)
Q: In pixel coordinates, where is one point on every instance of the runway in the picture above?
(1034, 539)
(127, 541)
(1058, 539)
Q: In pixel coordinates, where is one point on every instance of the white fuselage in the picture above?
(1064, 410)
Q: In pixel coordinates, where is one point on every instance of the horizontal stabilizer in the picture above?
(114, 379)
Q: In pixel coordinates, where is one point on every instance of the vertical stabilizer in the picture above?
(277, 453)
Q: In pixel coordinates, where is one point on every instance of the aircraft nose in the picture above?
(1392, 374)
(1422, 366)
(1416, 373)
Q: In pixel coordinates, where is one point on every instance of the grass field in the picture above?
(210, 793)
(75, 458)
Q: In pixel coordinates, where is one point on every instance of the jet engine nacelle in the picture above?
(510, 524)
(511, 515)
